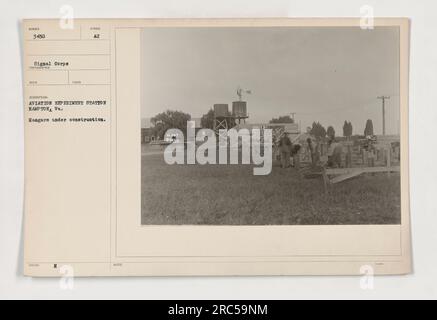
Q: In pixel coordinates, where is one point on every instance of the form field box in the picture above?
(67, 48)
(90, 77)
(47, 77)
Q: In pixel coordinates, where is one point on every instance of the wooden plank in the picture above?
(343, 177)
(338, 171)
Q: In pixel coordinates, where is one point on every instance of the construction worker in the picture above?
(285, 150)
(295, 148)
(313, 151)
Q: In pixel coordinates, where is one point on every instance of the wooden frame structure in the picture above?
(332, 176)
(335, 175)
(342, 174)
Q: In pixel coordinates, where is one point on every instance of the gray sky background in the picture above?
(323, 74)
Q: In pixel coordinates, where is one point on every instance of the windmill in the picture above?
(239, 108)
(240, 92)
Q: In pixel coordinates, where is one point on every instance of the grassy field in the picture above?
(232, 195)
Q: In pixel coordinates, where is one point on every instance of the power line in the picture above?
(383, 98)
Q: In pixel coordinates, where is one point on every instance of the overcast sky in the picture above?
(323, 74)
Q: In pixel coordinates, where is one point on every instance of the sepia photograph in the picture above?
(172, 146)
(270, 126)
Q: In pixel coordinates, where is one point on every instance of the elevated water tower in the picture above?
(239, 108)
(222, 117)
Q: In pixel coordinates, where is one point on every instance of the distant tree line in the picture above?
(282, 119)
(318, 131)
(171, 119)
(330, 132)
(368, 131)
(347, 129)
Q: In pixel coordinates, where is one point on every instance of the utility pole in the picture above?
(383, 98)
